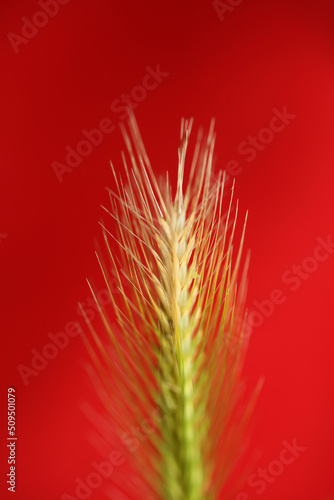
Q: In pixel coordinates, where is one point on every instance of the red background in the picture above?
(262, 55)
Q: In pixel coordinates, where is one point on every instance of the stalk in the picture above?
(182, 458)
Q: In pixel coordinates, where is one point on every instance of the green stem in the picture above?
(182, 462)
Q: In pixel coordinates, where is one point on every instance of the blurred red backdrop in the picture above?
(71, 70)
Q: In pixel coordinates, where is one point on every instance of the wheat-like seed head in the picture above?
(180, 318)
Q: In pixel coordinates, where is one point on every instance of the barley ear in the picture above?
(177, 351)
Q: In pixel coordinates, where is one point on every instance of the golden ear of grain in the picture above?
(180, 318)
